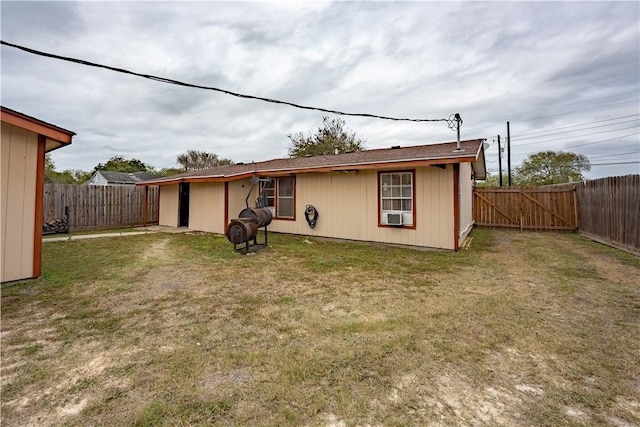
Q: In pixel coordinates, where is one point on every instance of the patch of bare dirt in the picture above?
(26, 336)
(607, 267)
(448, 398)
(157, 250)
(69, 392)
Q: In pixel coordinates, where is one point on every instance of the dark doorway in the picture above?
(183, 215)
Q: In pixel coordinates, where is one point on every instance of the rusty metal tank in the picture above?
(241, 230)
(261, 216)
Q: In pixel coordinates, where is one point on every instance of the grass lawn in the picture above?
(519, 329)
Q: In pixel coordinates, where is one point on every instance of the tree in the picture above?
(49, 166)
(120, 164)
(68, 176)
(494, 180)
(332, 134)
(552, 167)
(194, 160)
(170, 171)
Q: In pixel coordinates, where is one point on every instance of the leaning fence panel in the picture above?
(610, 211)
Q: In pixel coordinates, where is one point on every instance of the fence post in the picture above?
(146, 205)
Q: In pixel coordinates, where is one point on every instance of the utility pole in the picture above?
(509, 154)
(500, 160)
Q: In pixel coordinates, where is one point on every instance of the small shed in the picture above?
(25, 140)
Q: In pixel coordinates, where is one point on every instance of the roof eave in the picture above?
(56, 136)
(382, 164)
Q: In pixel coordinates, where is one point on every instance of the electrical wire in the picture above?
(572, 126)
(636, 91)
(615, 155)
(572, 137)
(476, 129)
(576, 111)
(556, 106)
(616, 163)
(518, 138)
(582, 145)
(225, 91)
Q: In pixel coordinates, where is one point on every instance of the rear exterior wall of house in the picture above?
(347, 203)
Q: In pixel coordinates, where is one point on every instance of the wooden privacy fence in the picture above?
(535, 208)
(606, 210)
(97, 206)
(610, 211)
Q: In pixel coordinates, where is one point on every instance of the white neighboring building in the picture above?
(118, 178)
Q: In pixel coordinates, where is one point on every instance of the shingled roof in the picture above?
(126, 177)
(422, 155)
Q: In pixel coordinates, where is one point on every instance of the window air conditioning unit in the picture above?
(394, 219)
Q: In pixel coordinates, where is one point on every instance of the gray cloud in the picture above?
(45, 20)
(538, 65)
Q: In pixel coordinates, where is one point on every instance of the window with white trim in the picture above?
(396, 198)
(280, 195)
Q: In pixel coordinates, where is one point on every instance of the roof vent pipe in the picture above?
(336, 150)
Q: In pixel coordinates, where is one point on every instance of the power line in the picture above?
(580, 102)
(581, 124)
(569, 131)
(536, 118)
(557, 106)
(195, 86)
(576, 111)
(576, 136)
(588, 143)
(614, 155)
(616, 163)
(605, 140)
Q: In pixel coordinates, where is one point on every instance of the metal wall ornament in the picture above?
(311, 215)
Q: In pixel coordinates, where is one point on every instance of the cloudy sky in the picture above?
(565, 75)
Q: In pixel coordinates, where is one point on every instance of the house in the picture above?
(118, 178)
(25, 140)
(419, 196)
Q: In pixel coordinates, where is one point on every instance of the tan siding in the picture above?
(19, 166)
(168, 214)
(466, 200)
(347, 204)
(435, 207)
(238, 191)
(340, 200)
(206, 207)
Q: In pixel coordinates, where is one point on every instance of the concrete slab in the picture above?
(143, 230)
(95, 236)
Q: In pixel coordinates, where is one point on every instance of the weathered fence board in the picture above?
(610, 211)
(97, 206)
(536, 208)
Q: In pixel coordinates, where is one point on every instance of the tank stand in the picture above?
(251, 247)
